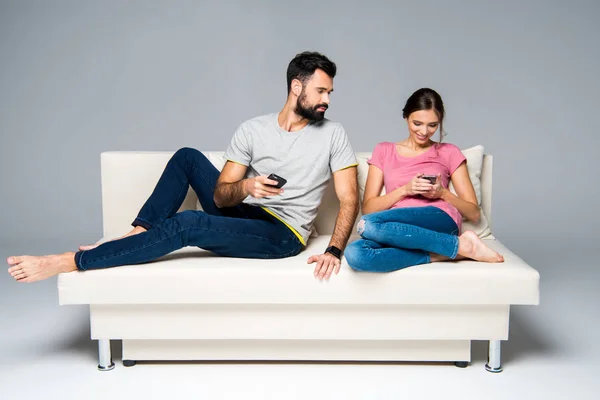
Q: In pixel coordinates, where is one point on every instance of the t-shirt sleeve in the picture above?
(378, 156)
(341, 156)
(455, 158)
(240, 148)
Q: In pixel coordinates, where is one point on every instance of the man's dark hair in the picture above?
(304, 65)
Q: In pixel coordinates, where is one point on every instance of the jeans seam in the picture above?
(428, 257)
(78, 262)
(206, 182)
(163, 216)
(179, 232)
(455, 251)
(145, 221)
(404, 226)
(288, 253)
(413, 211)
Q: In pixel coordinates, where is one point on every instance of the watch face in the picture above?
(334, 250)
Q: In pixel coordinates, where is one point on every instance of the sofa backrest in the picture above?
(128, 179)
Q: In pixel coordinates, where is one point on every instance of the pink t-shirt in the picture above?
(399, 170)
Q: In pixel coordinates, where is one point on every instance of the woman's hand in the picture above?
(418, 186)
(436, 191)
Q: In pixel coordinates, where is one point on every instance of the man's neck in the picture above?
(290, 121)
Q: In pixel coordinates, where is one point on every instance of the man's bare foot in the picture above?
(471, 246)
(32, 269)
(134, 231)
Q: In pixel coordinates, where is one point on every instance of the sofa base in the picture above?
(264, 332)
(297, 350)
(299, 322)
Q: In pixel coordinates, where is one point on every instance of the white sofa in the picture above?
(192, 305)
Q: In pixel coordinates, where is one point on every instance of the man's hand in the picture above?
(326, 264)
(261, 186)
(346, 189)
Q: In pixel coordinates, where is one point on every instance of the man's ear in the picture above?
(296, 87)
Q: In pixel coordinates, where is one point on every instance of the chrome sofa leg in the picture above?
(104, 357)
(494, 363)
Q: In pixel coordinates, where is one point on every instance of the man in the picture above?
(245, 213)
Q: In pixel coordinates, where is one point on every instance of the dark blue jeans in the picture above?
(242, 231)
(402, 237)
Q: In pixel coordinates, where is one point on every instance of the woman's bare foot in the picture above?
(134, 231)
(471, 246)
(32, 269)
(433, 257)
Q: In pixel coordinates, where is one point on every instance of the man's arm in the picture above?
(232, 188)
(346, 189)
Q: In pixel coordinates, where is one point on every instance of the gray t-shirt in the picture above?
(305, 158)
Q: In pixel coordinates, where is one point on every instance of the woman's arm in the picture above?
(465, 199)
(373, 202)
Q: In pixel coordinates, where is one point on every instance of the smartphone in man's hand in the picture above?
(280, 181)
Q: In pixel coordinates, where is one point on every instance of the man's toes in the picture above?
(19, 276)
(14, 260)
(14, 269)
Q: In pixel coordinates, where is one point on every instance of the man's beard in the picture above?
(309, 112)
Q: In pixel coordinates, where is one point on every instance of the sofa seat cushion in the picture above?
(195, 276)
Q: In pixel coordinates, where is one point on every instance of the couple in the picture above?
(246, 215)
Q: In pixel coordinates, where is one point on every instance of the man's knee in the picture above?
(185, 153)
(191, 217)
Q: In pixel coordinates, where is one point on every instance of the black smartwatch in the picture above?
(335, 251)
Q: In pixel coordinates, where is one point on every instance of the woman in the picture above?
(418, 221)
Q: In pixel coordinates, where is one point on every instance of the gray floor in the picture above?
(552, 353)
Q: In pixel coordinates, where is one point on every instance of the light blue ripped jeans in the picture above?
(402, 237)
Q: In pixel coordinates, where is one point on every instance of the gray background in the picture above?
(520, 77)
(81, 77)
